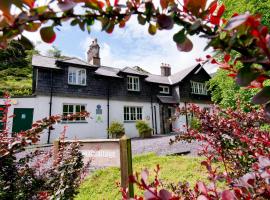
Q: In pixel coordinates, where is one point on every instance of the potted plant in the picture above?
(116, 130)
(144, 129)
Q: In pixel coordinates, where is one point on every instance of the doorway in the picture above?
(23, 119)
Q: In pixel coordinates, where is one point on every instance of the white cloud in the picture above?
(134, 46)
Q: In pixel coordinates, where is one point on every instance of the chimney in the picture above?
(93, 53)
(165, 69)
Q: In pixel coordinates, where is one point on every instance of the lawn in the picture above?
(101, 184)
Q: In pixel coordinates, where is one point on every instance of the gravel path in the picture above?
(160, 145)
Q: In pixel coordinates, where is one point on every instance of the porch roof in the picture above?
(167, 99)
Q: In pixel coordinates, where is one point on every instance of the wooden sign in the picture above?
(108, 153)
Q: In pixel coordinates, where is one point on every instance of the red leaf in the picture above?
(202, 188)
(213, 61)
(214, 20)
(255, 33)
(213, 8)
(232, 75)
(116, 2)
(165, 195)
(227, 58)
(185, 46)
(221, 10)
(227, 195)
(202, 197)
(164, 4)
(165, 22)
(47, 34)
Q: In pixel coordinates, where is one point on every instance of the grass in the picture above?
(101, 184)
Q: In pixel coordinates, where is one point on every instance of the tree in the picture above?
(54, 52)
(16, 69)
(260, 7)
(225, 92)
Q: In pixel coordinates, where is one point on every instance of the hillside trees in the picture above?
(16, 69)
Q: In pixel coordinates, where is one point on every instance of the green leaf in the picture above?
(179, 37)
(263, 96)
(141, 20)
(47, 34)
(152, 29)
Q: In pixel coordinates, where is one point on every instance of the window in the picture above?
(69, 109)
(133, 83)
(198, 88)
(132, 113)
(76, 76)
(164, 89)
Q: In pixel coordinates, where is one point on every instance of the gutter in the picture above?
(152, 112)
(108, 107)
(50, 106)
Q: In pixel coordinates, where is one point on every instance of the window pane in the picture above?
(70, 109)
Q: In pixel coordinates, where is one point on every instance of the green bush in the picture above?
(116, 130)
(195, 124)
(144, 129)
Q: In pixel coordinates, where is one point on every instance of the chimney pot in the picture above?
(165, 69)
(93, 53)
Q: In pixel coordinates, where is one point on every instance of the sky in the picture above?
(129, 46)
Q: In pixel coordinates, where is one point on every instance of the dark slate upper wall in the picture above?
(97, 86)
(185, 87)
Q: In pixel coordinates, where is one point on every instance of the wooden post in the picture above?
(126, 164)
(55, 148)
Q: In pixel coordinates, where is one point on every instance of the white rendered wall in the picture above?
(179, 124)
(93, 128)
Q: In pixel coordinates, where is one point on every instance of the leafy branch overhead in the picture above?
(243, 33)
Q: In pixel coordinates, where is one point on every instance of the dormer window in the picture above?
(164, 89)
(198, 88)
(76, 76)
(133, 83)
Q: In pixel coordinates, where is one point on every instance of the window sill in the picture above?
(74, 122)
(77, 84)
(134, 121)
(199, 94)
(133, 90)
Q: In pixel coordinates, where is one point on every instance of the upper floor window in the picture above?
(198, 88)
(76, 76)
(132, 113)
(69, 109)
(164, 89)
(133, 83)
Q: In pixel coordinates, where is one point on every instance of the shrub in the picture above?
(38, 174)
(195, 124)
(116, 130)
(144, 129)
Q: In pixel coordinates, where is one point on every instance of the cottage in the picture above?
(70, 85)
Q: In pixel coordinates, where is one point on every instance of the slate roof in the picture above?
(129, 70)
(158, 79)
(179, 76)
(77, 61)
(50, 62)
(167, 99)
(108, 71)
(44, 61)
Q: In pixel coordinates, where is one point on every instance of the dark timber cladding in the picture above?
(98, 76)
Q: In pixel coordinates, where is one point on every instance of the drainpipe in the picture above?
(108, 107)
(153, 126)
(186, 114)
(50, 106)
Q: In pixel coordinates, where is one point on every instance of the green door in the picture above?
(22, 120)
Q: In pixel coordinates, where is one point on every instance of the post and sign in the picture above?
(108, 153)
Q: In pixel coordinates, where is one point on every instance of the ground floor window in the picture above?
(132, 113)
(69, 109)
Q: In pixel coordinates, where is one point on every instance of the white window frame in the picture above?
(133, 113)
(198, 88)
(76, 76)
(164, 88)
(133, 83)
(73, 111)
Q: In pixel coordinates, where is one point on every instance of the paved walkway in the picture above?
(161, 146)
